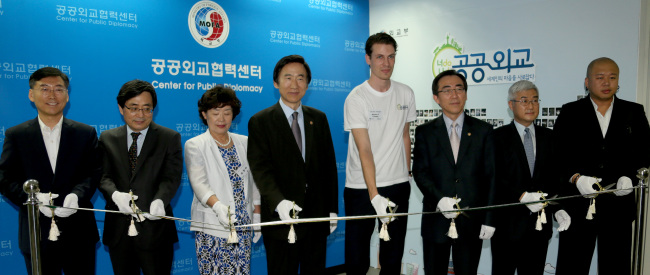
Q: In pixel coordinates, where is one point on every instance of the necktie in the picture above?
(133, 151)
(530, 153)
(295, 128)
(455, 141)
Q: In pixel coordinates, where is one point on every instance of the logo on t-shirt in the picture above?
(402, 107)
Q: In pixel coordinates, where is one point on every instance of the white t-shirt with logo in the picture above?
(384, 114)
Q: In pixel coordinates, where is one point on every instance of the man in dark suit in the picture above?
(146, 159)
(526, 170)
(453, 166)
(602, 139)
(291, 155)
(61, 155)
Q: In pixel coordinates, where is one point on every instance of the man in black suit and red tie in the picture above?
(603, 139)
(61, 155)
(453, 166)
(145, 159)
(526, 171)
(291, 155)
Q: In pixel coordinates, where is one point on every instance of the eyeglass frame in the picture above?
(48, 89)
(526, 101)
(457, 91)
(135, 110)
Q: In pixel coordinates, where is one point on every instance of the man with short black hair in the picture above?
(453, 165)
(603, 139)
(291, 155)
(143, 162)
(62, 156)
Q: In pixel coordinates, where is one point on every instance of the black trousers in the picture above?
(526, 255)
(128, 258)
(577, 246)
(71, 258)
(466, 253)
(359, 232)
(284, 258)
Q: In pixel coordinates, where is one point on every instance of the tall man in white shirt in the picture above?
(377, 113)
(61, 155)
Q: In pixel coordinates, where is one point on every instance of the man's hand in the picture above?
(623, 183)
(447, 204)
(285, 209)
(44, 198)
(562, 218)
(71, 200)
(157, 208)
(486, 232)
(380, 204)
(531, 197)
(585, 186)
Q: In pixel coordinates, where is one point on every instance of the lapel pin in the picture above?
(311, 122)
(469, 134)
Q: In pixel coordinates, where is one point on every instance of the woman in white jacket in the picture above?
(224, 191)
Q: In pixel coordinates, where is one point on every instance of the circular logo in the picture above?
(443, 59)
(208, 24)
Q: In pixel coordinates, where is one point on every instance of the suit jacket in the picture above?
(78, 169)
(584, 150)
(281, 173)
(157, 176)
(471, 179)
(513, 179)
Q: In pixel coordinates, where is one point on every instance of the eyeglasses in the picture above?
(135, 111)
(49, 89)
(526, 101)
(449, 91)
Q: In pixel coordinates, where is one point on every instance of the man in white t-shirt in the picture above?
(377, 113)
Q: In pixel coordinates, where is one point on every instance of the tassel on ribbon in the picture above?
(383, 233)
(232, 238)
(538, 224)
(54, 231)
(292, 232)
(543, 216)
(132, 231)
(292, 235)
(592, 209)
(453, 233)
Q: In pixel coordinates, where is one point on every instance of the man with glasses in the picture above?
(453, 165)
(143, 162)
(61, 155)
(603, 140)
(526, 171)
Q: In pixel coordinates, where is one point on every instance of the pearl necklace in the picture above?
(223, 145)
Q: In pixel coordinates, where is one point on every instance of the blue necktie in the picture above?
(530, 153)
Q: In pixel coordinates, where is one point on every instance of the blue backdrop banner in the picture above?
(183, 48)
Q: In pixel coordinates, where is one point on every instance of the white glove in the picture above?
(333, 223)
(380, 204)
(285, 209)
(486, 232)
(71, 200)
(123, 201)
(44, 198)
(530, 197)
(562, 218)
(623, 183)
(257, 218)
(447, 204)
(223, 214)
(585, 185)
(157, 208)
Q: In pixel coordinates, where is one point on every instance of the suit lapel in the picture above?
(591, 120)
(65, 144)
(284, 129)
(442, 135)
(36, 139)
(520, 151)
